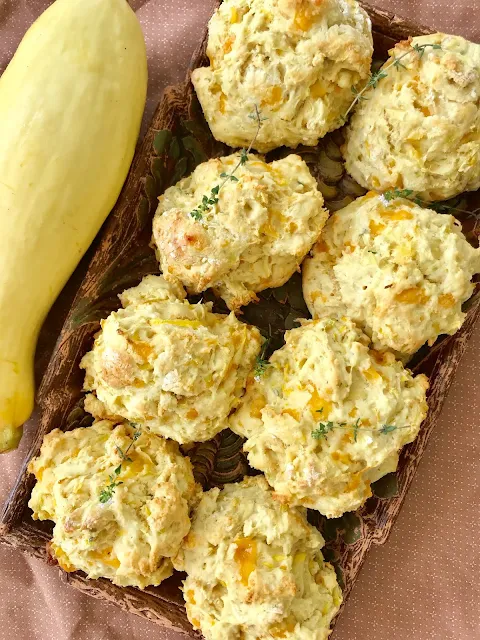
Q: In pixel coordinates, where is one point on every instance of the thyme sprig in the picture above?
(326, 427)
(359, 96)
(356, 427)
(260, 367)
(107, 493)
(261, 363)
(208, 201)
(440, 207)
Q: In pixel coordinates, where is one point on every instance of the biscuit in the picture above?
(170, 366)
(420, 127)
(127, 534)
(255, 569)
(328, 416)
(254, 238)
(400, 271)
(296, 60)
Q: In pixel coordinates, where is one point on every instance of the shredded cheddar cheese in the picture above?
(246, 558)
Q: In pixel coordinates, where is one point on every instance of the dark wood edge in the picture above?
(389, 24)
(131, 600)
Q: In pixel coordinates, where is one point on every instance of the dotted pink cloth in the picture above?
(423, 584)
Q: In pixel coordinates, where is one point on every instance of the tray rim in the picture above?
(21, 534)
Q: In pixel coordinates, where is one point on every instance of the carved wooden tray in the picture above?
(177, 140)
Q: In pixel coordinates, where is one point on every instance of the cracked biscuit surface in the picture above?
(255, 569)
(254, 238)
(173, 367)
(329, 416)
(130, 537)
(297, 60)
(420, 127)
(400, 271)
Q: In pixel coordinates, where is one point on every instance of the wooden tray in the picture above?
(176, 141)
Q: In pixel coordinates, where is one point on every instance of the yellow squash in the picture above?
(71, 103)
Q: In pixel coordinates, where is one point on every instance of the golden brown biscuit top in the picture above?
(120, 500)
(255, 567)
(420, 127)
(170, 366)
(328, 416)
(295, 60)
(255, 237)
(400, 271)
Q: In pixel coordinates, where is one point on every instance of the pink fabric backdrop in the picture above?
(423, 584)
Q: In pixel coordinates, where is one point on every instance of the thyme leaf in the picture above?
(106, 494)
(397, 193)
(387, 428)
(375, 78)
(321, 431)
(260, 367)
(261, 363)
(326, 427)
(356, 426)
(212, 199)
(440, 207)
(122, 455)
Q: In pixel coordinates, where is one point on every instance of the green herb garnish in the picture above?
(356, 426)
(397, 193)
(388, 428)
(212, 199)
(440, 207)
(261, 363)
(375, 78)
(107, 493)
(321, 431)
(325, 427)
